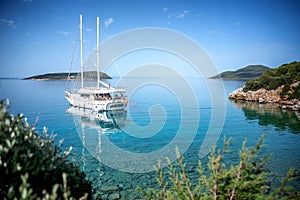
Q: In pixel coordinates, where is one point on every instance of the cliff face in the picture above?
(269, 96)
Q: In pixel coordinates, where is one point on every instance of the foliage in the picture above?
(245, 180)
(272, 79)
(296, 93)
(32, 165)
(285, 90)
(245, 73)
(63, 76)
(26, 192)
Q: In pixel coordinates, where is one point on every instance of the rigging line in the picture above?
(78, 74)
(71, 64)
(114, 64)
(119, 74)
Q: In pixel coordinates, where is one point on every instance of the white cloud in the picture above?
(7, 22)
(182, 14)
(211, 32)
(108, 22)
(165, 9)
(88, 29)
(63, 33)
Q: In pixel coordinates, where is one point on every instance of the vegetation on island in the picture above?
(245, 73)
(33, 166)
(64, 76)
(284, 76)
(245, 180)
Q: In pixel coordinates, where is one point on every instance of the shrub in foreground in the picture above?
(34, 166)
(245, 180)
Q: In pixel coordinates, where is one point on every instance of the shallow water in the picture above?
(119, 154)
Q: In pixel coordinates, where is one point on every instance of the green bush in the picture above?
(296, 93)
(245, 180)
(272, 79)
(285, 90)
(33, 163)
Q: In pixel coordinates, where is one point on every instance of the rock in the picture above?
(294, 108)
(113, 196)
(267, 96)
(261, 100)
(104, 196)
(290, 103)
(109, 189)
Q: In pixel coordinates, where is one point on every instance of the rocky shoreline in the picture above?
(263, 96)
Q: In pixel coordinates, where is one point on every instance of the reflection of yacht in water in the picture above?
(106, 120)
(92, 128)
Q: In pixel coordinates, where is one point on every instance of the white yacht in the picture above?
(101, 97)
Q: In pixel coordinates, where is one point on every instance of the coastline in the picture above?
(64, 76)
(264, 96)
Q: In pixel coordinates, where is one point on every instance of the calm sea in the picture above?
(118, 150)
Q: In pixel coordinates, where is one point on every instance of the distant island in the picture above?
(64, 76)
(280, 86)
(243, 74)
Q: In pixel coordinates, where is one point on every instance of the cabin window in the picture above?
(118, 105)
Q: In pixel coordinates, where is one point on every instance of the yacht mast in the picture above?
(81, 63)
(98, 52)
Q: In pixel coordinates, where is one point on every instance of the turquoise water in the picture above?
(104, 149)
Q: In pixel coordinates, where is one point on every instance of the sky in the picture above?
(37, 36)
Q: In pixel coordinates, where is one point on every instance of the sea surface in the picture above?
(118, 150)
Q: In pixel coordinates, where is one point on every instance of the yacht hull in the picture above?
(96, 105)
